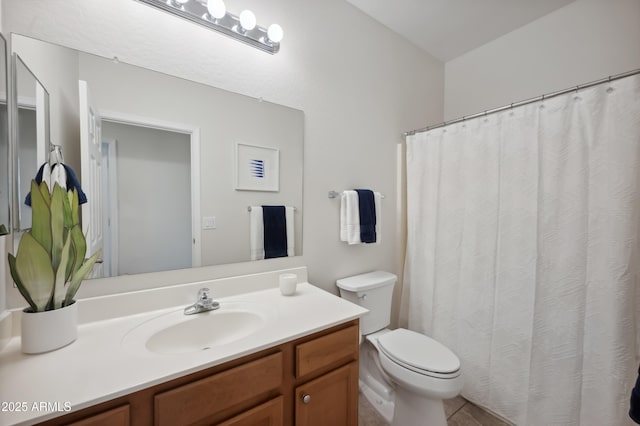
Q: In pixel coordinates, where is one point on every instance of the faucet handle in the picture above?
(203, 295)
(203, 304)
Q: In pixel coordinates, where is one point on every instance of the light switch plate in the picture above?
(209, 222)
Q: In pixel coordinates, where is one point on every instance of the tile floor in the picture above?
(459, 411)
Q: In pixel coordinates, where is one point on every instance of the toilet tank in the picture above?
(372, 291)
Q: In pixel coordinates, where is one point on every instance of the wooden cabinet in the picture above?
(331, 399)
(270, 413)
(327, 351)
(115, 417)
(266, 388)
(197, 401)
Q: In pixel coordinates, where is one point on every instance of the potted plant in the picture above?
(49, 268)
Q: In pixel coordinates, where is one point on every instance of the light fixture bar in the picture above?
(196, 11)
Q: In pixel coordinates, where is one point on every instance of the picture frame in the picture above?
(257, 168)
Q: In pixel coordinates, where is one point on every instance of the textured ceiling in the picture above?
(448, 28)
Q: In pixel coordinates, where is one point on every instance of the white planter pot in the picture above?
(49, 330)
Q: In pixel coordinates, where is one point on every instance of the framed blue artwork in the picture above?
(257, 168)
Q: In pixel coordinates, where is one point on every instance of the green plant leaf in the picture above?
(33, 268)
(46, 195)
(61, 276)
(57, 224)
(16, 279)
(80, 275)
(79, 246)
(72, 259)
(68, 223)
(75, 217)
(40, 217)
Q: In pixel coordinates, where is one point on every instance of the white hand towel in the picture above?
(256, 233)
(377, 197)
(46, 176)
(59, 176)
(291, 229)
(349, 217)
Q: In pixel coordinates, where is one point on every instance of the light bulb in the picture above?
(275, 33)
(247, 20)
(216, 8)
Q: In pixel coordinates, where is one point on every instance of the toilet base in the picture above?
(413, 409)
(383, 406)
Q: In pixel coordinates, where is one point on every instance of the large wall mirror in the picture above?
(162, 159)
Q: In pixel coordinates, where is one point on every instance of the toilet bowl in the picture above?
(404, 374)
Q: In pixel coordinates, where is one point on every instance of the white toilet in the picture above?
(405, 375)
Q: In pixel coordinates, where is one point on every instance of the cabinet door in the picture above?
(331, 399)
(270, 413)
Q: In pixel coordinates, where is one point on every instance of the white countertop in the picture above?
(97, 367)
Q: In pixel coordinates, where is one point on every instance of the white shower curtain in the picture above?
(522, 254)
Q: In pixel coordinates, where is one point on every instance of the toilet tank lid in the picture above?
(367, 281)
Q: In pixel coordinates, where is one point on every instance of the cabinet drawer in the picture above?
(271, 413)
(198, 400)
(115, 417)
(327, 350)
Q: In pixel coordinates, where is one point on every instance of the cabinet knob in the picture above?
(306, 398)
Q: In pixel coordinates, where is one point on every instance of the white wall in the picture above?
(584, 41)
(359, 85)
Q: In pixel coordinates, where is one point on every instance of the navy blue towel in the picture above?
(72, 182)
(367, 206)
(634, 406)
(275, 231)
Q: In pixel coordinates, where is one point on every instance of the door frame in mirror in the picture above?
(194, 134)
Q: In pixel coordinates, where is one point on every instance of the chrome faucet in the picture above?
(203, 304)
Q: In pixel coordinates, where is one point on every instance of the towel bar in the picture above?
(249, 208)
(335, 194)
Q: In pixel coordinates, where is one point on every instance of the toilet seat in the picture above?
(419, 353)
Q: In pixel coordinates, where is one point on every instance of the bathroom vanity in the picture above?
(308, 381)
(299, 367)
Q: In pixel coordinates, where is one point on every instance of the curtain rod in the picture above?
(525, 102)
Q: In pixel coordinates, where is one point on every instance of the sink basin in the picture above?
(175, 333)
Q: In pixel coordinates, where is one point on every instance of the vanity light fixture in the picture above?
(213, 15)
